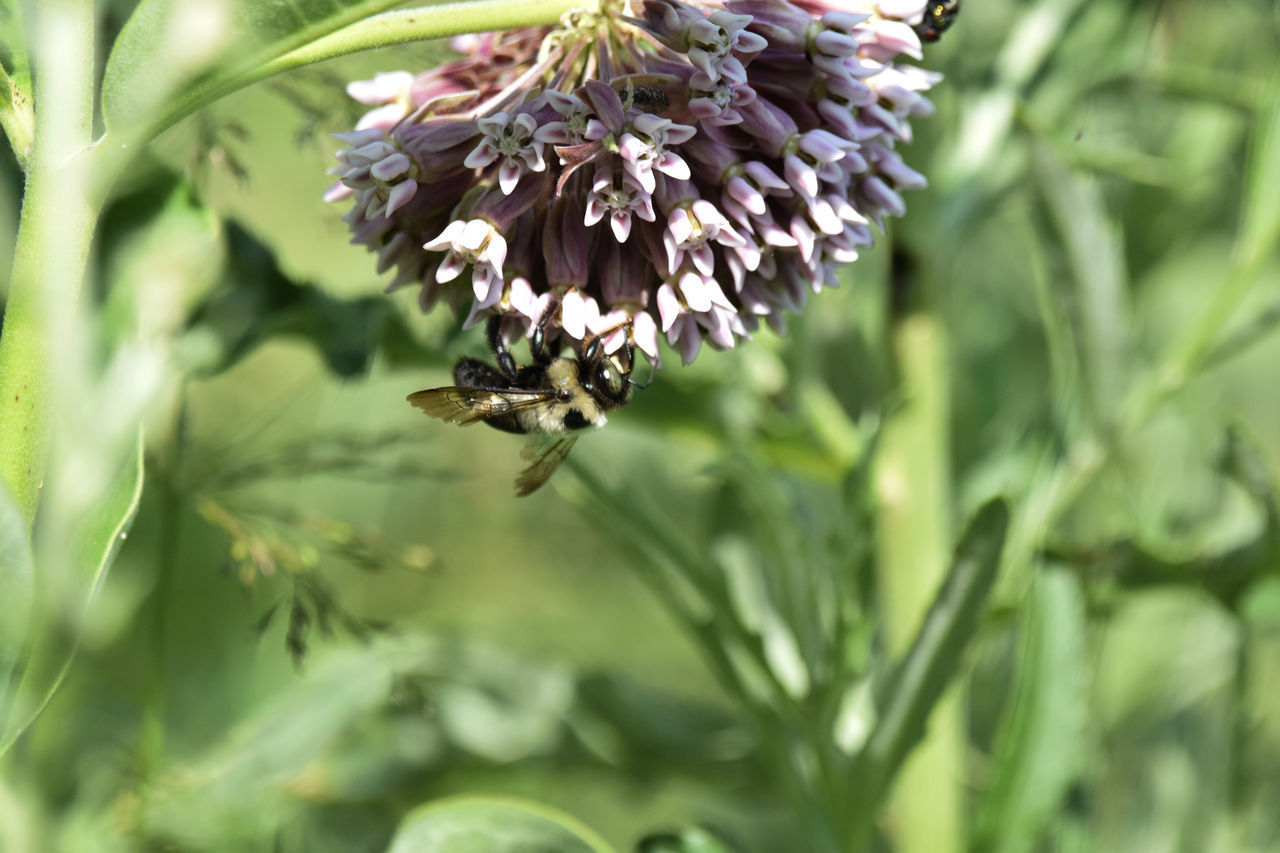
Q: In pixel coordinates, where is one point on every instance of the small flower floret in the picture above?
(511, 140)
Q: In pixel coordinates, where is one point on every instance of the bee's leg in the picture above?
(506, 363)
(538, 340)
(591, 346)
(653, 369)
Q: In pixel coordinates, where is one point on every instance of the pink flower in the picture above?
(766, 134)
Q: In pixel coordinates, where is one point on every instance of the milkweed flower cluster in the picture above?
(662, 168)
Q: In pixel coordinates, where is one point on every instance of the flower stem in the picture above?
(52, 248)
(446, 19)
(390, 28)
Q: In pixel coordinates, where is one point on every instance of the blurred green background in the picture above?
(330, 610)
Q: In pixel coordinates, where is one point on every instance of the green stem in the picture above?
(390, 28)
(52, 248)
(446, 19)
(914, 537)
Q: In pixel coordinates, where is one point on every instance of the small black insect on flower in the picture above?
(938, 17)
(551, 400)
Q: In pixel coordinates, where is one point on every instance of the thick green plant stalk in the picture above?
(914, 538)
(52, 249)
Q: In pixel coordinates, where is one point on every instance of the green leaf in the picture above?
(1260, 228)
(174, 56)
(493, 825)
(94, 545)
(257, 301)
(1040, 748)
(277, 751)
(17, 588)
(1094, 252)
(934, 656)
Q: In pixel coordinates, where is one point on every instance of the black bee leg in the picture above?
(653, 370)
(506, 363)
(591, 346)
(538, 340)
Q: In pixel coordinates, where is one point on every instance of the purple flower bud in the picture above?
(566, 244)
(625, 278)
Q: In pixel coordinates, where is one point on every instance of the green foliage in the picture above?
(174, 56)
(53, 635)
(330, 630)
(478, 825)
(1041, 745)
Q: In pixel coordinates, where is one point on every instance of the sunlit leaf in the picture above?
(1041, 747)
(1260, 229)
(491, 825)
(1139, 681)
(174, 56)
(94, 545)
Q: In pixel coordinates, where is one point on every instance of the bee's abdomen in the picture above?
(472, 373)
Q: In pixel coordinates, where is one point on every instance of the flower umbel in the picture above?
(668, 167)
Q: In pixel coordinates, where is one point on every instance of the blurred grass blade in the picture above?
(983, 137)
(1040, 751)
(1260, 228)
(493, 825)
(17, 586)
(1094, 251)
(1256, 242)
(93, 547)
(934, 656)
(174, 56)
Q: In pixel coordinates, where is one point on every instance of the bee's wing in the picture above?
(465, 406)
(545, 453)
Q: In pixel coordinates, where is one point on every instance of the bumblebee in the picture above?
(551, 400)
(938, 15)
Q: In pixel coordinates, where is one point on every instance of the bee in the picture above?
(938, 15)
(646, 97)
(551, 400)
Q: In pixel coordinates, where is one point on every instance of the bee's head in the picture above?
(606, 375)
